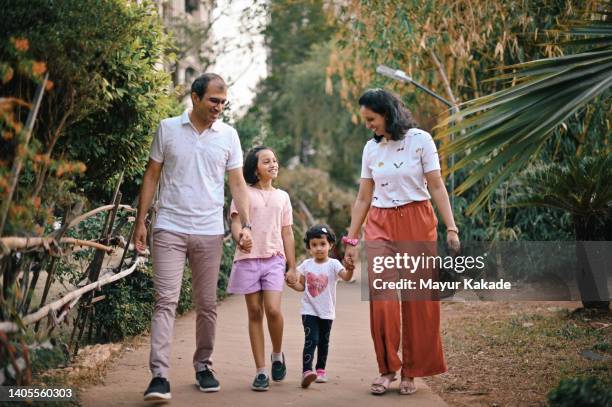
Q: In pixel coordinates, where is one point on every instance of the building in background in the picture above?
(222, 36)
(190, 24)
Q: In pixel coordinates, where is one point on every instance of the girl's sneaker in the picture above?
(308, 377)
(321, 377)
(279, 369)
(261, 382)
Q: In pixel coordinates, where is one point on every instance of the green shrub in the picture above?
(327, 202)
(580, 392)
(48, 355)
(227, 259)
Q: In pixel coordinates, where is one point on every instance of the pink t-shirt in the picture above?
(270, 211)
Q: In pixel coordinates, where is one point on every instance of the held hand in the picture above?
(245, 245)
(140, 237)
(452, 240)
(245, 242)
(291, 277)
(350, 257)
(347, 265)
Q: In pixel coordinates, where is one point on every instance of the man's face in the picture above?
(211, 105)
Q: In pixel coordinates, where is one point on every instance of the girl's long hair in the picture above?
(249, 170)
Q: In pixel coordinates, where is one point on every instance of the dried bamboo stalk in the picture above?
(54, 306)
(17, 243)
(93, 212)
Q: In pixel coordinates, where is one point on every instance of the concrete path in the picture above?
(351, 364)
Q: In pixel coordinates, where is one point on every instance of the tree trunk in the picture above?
(590, 273)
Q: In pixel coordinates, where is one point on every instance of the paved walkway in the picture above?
(351, 364)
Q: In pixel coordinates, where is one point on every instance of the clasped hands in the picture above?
(291, 277)
(245, 241)
(350, 257)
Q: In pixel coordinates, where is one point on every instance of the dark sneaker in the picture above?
(279, 370)
(261, 382)
(207, 382)
(159, 389)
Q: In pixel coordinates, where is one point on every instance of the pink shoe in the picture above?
(308, 377)
(321, 377)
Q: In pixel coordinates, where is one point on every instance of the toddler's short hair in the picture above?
(318, 231)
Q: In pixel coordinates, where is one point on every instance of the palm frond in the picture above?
(508, 127)
(596, 34)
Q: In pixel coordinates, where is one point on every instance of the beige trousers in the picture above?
(170, 249)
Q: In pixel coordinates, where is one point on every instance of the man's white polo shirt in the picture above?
(192, 176)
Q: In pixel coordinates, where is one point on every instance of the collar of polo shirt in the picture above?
(185, 120)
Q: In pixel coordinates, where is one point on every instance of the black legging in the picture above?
(316, 335)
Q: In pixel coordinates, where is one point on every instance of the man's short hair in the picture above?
(200, 84)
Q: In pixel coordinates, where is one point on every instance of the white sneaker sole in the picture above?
(157, 397)
(208, 389)
(319, 380)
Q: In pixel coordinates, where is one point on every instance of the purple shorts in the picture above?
(252, 275)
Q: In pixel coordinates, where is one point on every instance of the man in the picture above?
(190, 153)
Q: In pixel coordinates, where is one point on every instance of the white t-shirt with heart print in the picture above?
(320, 280)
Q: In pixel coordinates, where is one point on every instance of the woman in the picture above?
(400, 173)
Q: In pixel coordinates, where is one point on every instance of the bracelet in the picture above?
(350, 242)
(247, 226)
(452, 230)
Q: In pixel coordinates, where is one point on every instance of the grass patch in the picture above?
(515, 353)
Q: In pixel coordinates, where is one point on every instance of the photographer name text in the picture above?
(431, 284)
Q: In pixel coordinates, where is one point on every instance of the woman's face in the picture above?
(373, 121)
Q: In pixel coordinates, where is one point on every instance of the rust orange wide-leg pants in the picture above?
(416, 323)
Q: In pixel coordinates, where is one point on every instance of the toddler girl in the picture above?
(317, 277)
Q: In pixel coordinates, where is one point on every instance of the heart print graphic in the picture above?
(316, 283)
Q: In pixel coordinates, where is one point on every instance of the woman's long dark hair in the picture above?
(398, 119)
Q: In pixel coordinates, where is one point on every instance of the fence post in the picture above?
(86, 308)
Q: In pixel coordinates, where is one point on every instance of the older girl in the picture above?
(259, 265)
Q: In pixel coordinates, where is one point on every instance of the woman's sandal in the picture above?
(381, 384)
(407, 388)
